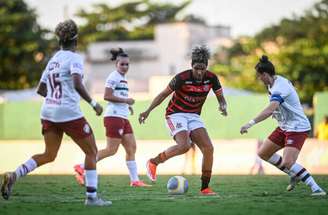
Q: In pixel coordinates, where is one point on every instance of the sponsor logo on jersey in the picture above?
(206, 87)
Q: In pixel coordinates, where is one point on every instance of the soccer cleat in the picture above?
(9, 179)
(79, 176)
(151, 171)
(318, 193)
(292, 183)
(208, 192)
(96, 202)
(139, 184)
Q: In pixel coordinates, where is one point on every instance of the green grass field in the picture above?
(238, 195)
(21, 120)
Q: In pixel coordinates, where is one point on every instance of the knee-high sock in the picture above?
(25, 168)
(276, 161)
(132, 166)
(302, 174)
(91, 182)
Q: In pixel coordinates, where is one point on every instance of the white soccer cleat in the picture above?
(318, 193)
(9, 179)
(292, 183)
(97, 202)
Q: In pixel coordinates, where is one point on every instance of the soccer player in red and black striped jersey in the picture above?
(190, 89)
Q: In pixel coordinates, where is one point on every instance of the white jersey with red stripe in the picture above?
(118, 83)
(290, 114)
(62, 102)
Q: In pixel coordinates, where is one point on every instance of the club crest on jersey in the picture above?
(178, 125)
(120, 131)
(86, 128)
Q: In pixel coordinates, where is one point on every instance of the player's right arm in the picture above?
(157, 101)
(76, 69)
(42, 87)
(79, 87)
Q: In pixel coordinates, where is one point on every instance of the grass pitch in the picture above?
(237, 195)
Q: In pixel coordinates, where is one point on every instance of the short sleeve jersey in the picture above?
(290, 114)
(190, 94)
(119, 84)
(62, 102)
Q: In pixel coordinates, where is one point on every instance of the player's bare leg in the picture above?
(52, 143)
(182, 146)
(89, 147)
(130, 146)
(202, 140)
(111, 149)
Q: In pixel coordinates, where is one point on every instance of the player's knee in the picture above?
(263, 155)
(183, 148)
(50, 156)
(287, 163)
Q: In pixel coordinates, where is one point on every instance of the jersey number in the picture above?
(55, 85)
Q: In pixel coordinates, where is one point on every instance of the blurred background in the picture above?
(159, 36)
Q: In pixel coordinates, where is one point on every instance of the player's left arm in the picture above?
(261, 116)
(218, 91)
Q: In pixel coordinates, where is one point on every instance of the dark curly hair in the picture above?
(67, 32)
(118, 52)
(200, 54)
(264, 65)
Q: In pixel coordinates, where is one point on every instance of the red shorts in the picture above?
(116, 127)
(288, 139)
(77, 129)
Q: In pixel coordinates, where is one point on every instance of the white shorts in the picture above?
(183, 122)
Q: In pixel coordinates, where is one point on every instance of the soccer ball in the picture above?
(177, 185)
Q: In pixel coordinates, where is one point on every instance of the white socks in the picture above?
(91, 182)
(132, 166)
(295, 171)
(25, 168)
(302, 174)
(276, 161)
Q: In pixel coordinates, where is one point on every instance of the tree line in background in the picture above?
(26, 46)
(298, 46)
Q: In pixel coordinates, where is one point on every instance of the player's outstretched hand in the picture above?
(143, 116)
(98, 108)
(223, 110)
(244, 128)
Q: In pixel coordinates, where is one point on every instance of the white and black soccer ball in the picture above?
(177, 185)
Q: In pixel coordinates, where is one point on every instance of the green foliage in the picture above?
(127, 21)
(23, 47)
(298, 47)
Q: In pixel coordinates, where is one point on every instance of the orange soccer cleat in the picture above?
(79, 176)
(139, 184)
(151, 171)
(207, 192)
